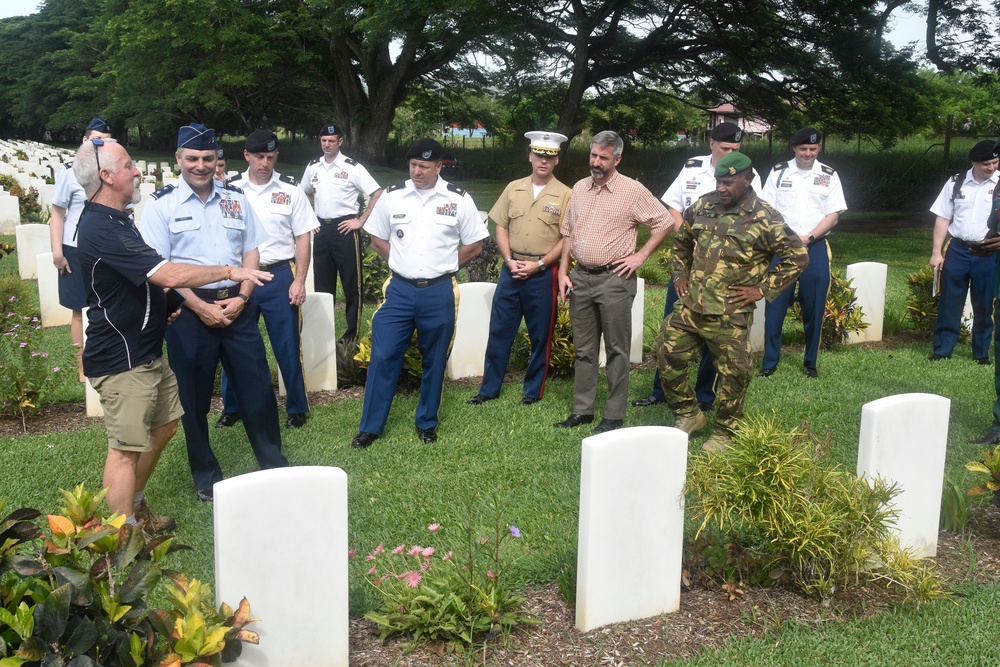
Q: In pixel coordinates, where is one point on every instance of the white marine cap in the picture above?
(546, 143)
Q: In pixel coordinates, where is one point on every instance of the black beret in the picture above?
(984, 151)
(261, 141)
(425, 149)
(99, 124)
(728, 132)
(329, 130)
(197, 137)
(221, 153)
(807, 135)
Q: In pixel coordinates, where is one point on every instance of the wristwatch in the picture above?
(541, 265)
(811, 238)
(244, 297)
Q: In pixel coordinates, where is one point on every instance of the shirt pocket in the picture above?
(740, 243)
(236, 224)
(515, 219)
(180, 225)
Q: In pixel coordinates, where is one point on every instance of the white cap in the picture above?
(546, 143)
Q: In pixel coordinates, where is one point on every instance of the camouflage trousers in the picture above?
(728, 339)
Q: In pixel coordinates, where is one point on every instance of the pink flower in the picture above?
(23, 345)
(415, 551)
(447, 556)
(55, 369)
(399, 549)
(352, 553)
(379, 549)
(45, 355)
(34, 354)
(372, 571)
(370, 557)
(412, 579)
(434, 527)
(490, 575)
(428, 552)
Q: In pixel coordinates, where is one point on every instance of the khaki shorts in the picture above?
(136, 402)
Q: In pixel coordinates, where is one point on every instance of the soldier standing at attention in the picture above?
(695, 179)
(810, 198)
(333, 183)
(527, 216)
(722, 251)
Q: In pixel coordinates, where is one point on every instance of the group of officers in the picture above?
(213, 256)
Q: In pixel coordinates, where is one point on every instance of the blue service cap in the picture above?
(197, 137)
(100, 125)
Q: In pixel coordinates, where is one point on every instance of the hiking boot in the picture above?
(718, 442)
(691, 424)
(151, 521)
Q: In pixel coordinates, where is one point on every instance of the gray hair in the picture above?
(85, 165)
(609, 138)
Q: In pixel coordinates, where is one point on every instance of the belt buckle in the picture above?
(423, 283)
(222, 293)
(263, 267)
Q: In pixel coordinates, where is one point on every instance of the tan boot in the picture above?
(718, 442)
(151, 521)
(692, 423)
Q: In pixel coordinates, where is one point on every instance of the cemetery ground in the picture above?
(398, 487)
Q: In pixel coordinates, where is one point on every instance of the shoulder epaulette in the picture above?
(395, 186)
(454, 188)
(233, 179)
(162, 191)
(828, 170)
(350, 160)
(693, 162)
(780, 166)
(285, 178)
(68, 165)
(312, 162)
(766, 205)
(230, 186)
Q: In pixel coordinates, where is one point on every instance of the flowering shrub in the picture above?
(27, 200)
(26, 374)
(433, 594)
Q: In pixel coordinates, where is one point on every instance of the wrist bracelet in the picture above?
(244, 297)
(229, 272)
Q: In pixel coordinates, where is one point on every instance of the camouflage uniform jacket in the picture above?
(715, 250)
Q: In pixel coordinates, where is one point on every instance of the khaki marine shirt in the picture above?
(532, 224)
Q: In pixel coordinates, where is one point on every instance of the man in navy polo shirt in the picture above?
(127, 318)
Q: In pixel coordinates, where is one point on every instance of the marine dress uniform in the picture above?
(183, 228)
(531, 218)
(424, 229)
(967, 207)
(335, 187)
(285, 213)
(696, 178)
(803, 197)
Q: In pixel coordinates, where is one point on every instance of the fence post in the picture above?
(948, 130)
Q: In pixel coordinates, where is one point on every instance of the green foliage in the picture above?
(776, 499)
(27, 200)
(954, 506)
(486, 267)
(374, 273)
(27, 376)
(457, 597)
(79, 594)
(350, 373)
(988, 465)
(843, 315)
(922, 307)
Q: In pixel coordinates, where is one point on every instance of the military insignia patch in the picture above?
(231, 209)
(399, 233)
(448, 209)
(342, 175)
(281, 198)
(551, 208)
(822, 180)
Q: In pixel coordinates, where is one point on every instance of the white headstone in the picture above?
(472, 330)
(31, 241)
(45, 193)
(141, 166)
(165, 168)
(319, 342)
(757, 328)
(631, 511)
(53, 313)
(310, 274)
(305, 509)
(638, 327)
(167, 180)
(869, 281)
(94, 407)
(903, 440)
(147, 188)
(10, 214)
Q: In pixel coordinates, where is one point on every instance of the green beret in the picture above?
(731, 164)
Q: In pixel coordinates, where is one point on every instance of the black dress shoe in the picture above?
(766, 372)
(609, 425)
(991, 438)
(298, 420)
(575, 420)
(938, 357)
(206, 495)
(479, 399)
(363, 439)
(705, 407)
(427, 435)
(529, 400)
(809, 372)
(985, 361)
(646, 402)
(227, 419)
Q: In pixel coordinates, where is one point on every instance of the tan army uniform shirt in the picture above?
(532, 223)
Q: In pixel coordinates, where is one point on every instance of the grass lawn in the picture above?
(398, 486)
